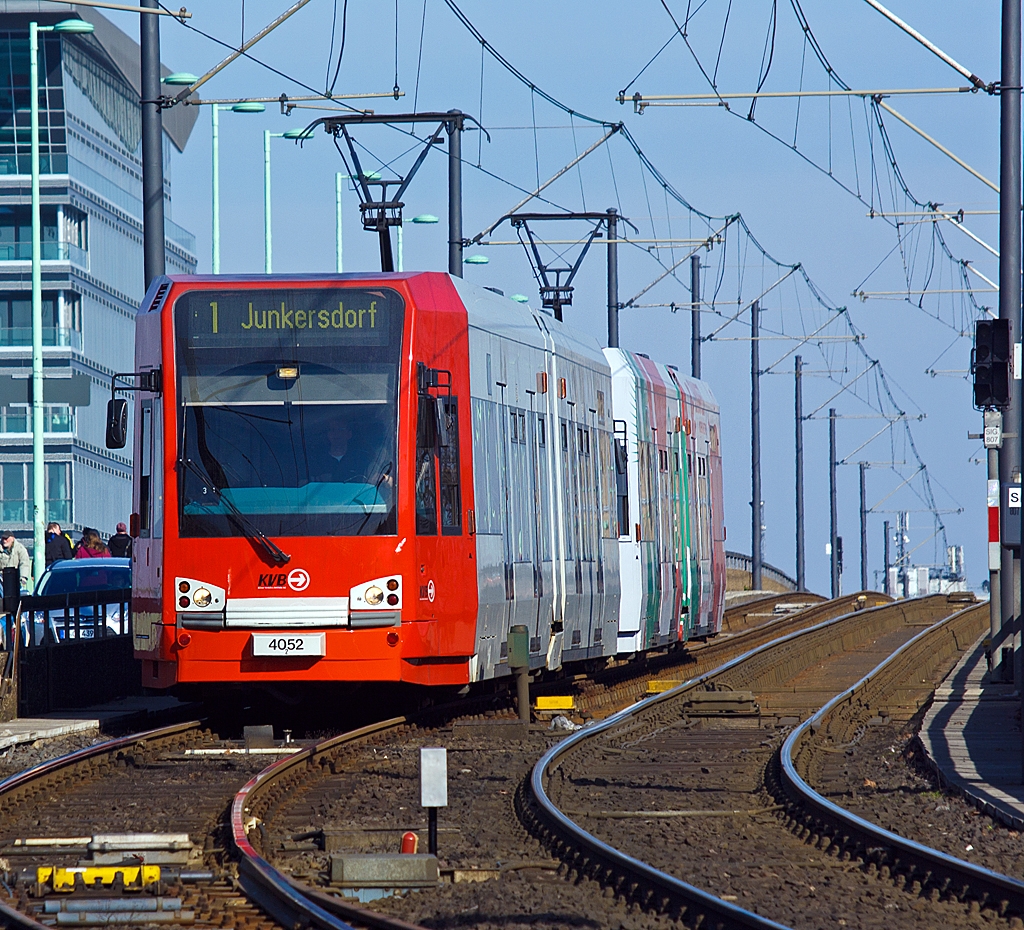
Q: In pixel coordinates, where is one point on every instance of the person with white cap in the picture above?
(14, 555)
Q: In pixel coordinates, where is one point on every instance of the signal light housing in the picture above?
(991, 363)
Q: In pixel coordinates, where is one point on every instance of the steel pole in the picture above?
(455, 244)
(863, 527)
(833, 515)
(38, 466)
(613, 278)
(695, 315)
(886, 587)
(995, 618)
(1009, 272)
(338, 258)
(756, 522)
(215, 118)
(268, 261)
(798, 416)
(152, 145)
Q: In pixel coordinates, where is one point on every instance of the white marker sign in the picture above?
(433, 777)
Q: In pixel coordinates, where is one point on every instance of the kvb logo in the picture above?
(298, 579)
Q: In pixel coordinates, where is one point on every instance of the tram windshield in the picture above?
(287, 411)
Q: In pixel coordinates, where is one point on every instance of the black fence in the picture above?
(73, 650)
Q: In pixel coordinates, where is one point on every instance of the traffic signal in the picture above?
(990, 363)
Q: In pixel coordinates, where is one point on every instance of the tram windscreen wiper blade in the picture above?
(250, 530)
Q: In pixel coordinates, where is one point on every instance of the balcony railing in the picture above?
(52, 336)
(15, 511)
(129, 201)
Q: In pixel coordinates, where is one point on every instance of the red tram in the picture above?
(372, 477)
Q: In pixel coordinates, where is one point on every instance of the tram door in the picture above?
(439, 509)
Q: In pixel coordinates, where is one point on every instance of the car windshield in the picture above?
(85, 578)
(288, 410)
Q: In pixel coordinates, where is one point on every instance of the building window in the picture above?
(16, 233)
(15, 106)
(17, 419)
(16, 319)
(74, 228)
(15, 489)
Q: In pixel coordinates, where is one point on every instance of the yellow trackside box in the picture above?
(64, 879)
(555, 702)
(659, 687)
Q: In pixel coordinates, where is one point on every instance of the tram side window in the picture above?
(621, 476)
(451, 484)
(146, 469)
(426, 476)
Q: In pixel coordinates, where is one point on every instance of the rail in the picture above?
(745, 563)
(643, 881)
(285, 900)
(884, 846)
(279, 896)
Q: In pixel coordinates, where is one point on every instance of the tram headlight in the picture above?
(373, 595)
(202, 597)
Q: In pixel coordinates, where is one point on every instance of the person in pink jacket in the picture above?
(92, 547)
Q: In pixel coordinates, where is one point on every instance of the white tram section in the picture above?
(563, 431)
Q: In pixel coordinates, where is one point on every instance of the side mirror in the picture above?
(117, 423)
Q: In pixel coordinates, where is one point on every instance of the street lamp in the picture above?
(338, 178)
(424, 219)
(293, 134)
(476, 260)
(72, 27)
(243, 107)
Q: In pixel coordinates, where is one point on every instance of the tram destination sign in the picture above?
(296, 316)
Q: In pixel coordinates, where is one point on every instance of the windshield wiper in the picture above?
(248, 528)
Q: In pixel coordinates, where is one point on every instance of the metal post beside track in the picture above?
(455, 242)
(756, 522)
(695, 316)
(833, 516)
(519, 664)
(801, 581)
(863, 527)
(152, 146)
(1009, 279)
(613, 278)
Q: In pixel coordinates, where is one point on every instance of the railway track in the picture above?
(273, 879)
(359, 791)
(681, 799)
(170, 779)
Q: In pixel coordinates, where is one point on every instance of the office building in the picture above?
(92, 260)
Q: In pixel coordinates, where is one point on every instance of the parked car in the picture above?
(85, 577)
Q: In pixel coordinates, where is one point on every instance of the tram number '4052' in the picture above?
(280, 645)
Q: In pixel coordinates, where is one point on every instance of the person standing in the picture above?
(14, 555)
(91, 547)
(121, 543)
(58, 546)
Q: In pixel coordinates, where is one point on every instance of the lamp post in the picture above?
(267, 241)
(246, 107)
(338, 179)
(424, 219)
(70, 26)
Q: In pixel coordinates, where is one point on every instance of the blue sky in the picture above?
(720, 162)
